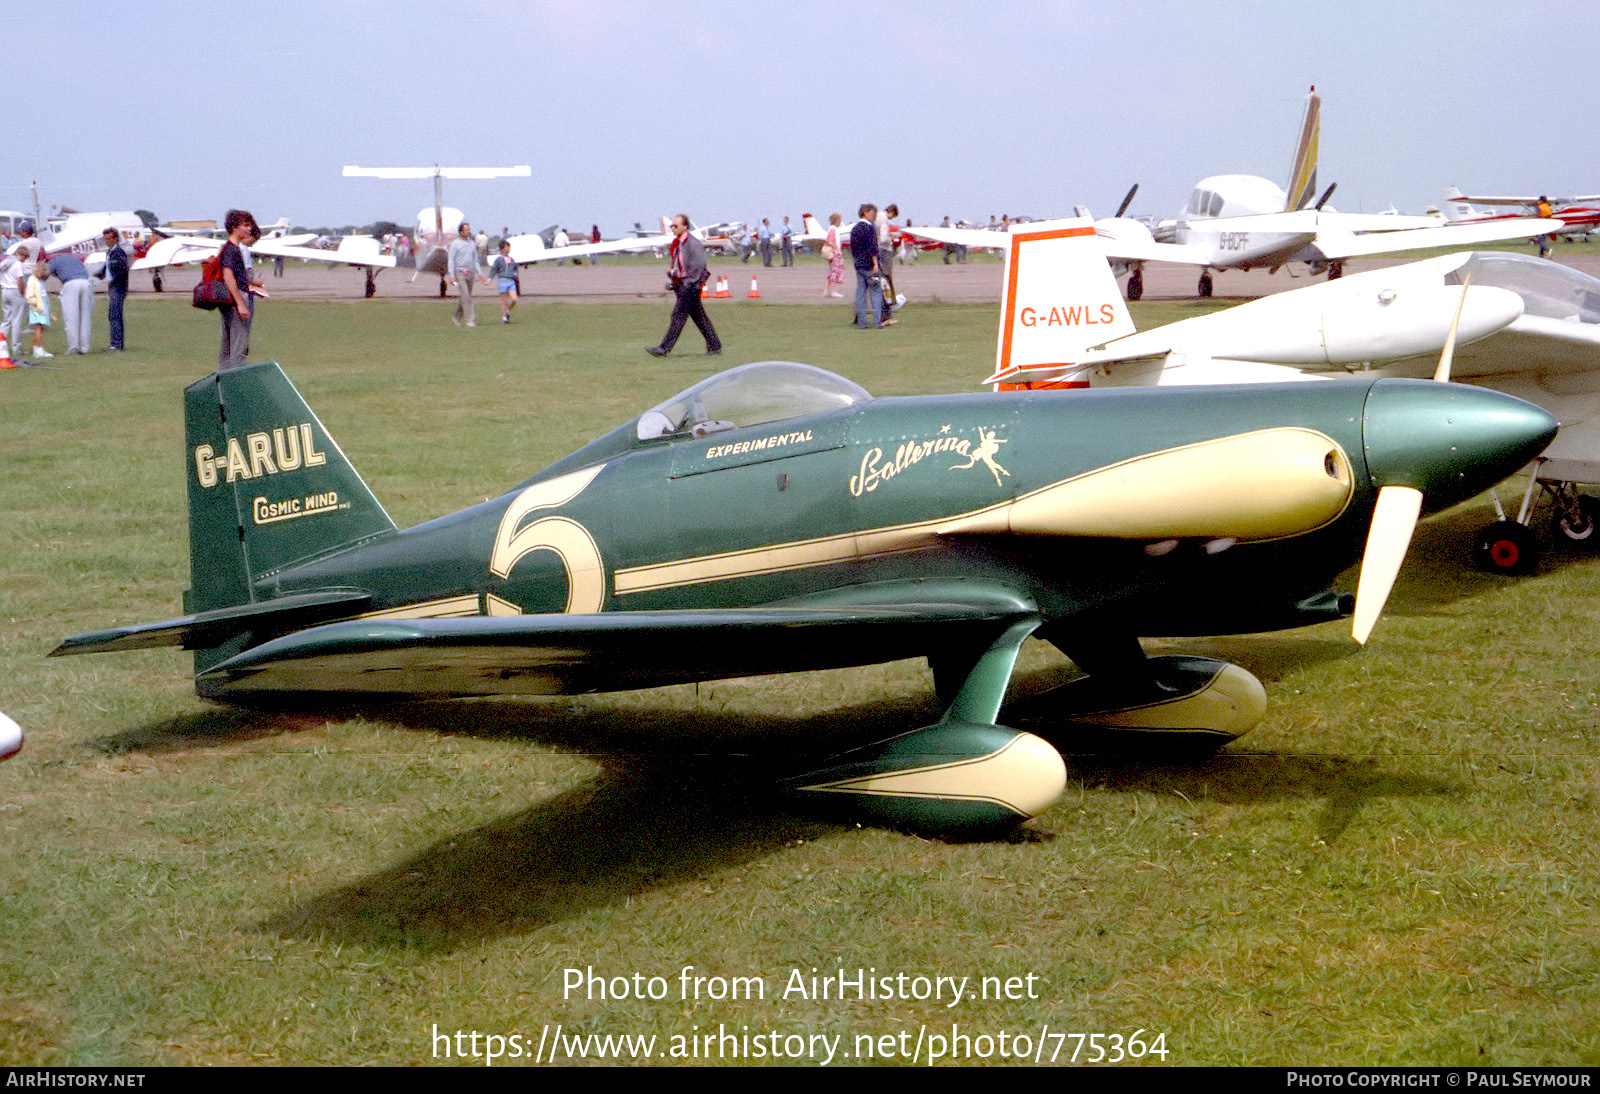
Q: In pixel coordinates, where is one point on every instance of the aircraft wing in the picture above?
(177, 250)
(1529, 202)
(1335, 244)
(1536, 345)
(963, 237)
(527, 249)
(561, 653)
(352, 251)
(1119, 246)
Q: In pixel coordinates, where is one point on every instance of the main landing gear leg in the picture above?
(964, 776)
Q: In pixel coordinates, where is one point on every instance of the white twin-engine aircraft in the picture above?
(1524, 325)
(1242, 222)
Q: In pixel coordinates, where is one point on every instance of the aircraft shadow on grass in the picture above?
(631, 831)
(655, 817)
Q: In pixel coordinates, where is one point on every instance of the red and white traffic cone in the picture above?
(755, 293)
(5, 353)
(722, 292)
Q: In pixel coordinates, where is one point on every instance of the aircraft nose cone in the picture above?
(1450, 441)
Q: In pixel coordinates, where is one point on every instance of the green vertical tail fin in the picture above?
(268, 487)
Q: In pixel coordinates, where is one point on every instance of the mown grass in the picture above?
(1398, 866)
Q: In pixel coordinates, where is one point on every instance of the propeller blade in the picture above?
(1442, 373)
(1394, 518)
(1326, 194)
(1127, 201)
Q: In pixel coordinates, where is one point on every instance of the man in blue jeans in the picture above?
(864, 252)
(116, 277)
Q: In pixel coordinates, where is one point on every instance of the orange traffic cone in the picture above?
(5, 353)
(722, 292)
(755, 293)
(705, 290)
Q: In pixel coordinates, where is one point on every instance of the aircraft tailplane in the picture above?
(1061, 300)
(1302, 188)
(1456, 202)
(268, 487)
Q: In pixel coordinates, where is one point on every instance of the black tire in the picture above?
(1135, 285)
(1205, 284)
(1335, 270)
(1583, 526)
(1506, 547)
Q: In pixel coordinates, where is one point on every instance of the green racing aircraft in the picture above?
(778, 518)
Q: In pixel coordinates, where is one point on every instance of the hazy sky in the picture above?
(738, 110)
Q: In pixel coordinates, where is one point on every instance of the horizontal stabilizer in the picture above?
(206, 629)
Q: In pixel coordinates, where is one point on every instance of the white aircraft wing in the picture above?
(530, 248)
(1123, 240)
(176, 251)
(961, 237)
(1334, 244)
(1530, 202)
(352, 251)
(1534, 344)
(180, 250)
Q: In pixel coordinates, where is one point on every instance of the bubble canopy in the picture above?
(754, 394)
(1547, 288)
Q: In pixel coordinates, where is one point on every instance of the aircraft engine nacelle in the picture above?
(1123, 230)
(1366, 323)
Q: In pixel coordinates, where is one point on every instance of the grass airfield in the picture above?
(1398, 866)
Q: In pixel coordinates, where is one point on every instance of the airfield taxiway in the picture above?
(928, 280)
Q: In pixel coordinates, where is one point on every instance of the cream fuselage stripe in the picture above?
(1294, 495)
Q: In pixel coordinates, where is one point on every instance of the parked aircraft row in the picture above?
(1525, 326)
(1243, 222)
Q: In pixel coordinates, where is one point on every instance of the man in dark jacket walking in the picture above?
(688, 273)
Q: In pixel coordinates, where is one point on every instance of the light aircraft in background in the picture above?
(1578, 215)
(777, 518)
(438, 225)
(179, 250)
(1519, 324)
(81, 234)
(1242, 222)
(815, 233)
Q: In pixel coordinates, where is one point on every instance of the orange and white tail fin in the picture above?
(1302, 187)
(1060, 300)
(813, 228)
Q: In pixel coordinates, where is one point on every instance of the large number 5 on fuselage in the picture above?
(565, 537)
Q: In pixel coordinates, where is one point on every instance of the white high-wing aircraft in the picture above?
(438, 225)
(1242, 222)
(1519, 324)
(1578, 215)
